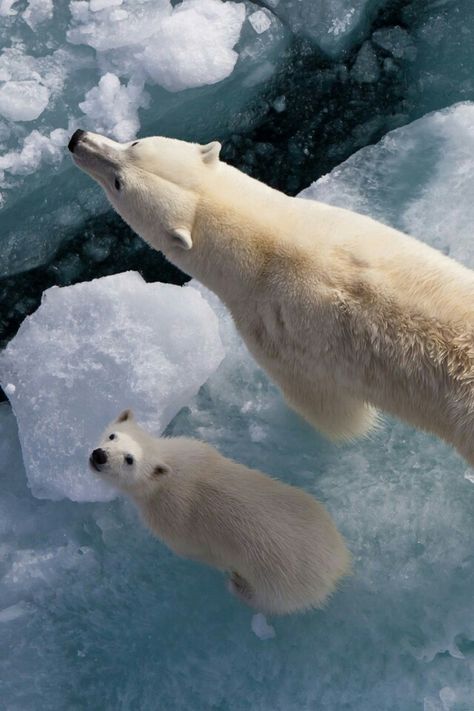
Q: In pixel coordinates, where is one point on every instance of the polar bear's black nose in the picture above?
(98, 456)
(75, 138)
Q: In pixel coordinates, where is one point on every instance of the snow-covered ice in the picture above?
(37, 12)
(186, 46)
(90, 351)
(209, 30)
(23, 100)
(113, 107)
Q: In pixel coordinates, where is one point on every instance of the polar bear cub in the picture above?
(347, 315)
(279, 546)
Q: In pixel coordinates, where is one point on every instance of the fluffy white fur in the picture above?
(346, 314)
(278, 544)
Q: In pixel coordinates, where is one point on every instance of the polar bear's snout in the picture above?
(99, 156)
(75, 138)
(98, 457)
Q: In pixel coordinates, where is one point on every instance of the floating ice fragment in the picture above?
(260, 21)
(469, 475)
(448, 698)
(36, 148)
(105, 30)
(98, 5)
(113, 108)
(341, 24)
(6, 8)
(261, 73)
(10, 389)
(13, 612)
(194, 45)
(257, 433)
(188, 45)
(91, 350)
(37, 12)
(279, 104)
(261, 628)
(23, 100)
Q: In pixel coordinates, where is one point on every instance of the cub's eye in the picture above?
(112, 436)
(135, 143)
(117, 184)
(129, 459)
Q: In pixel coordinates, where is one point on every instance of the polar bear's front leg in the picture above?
(335, 414)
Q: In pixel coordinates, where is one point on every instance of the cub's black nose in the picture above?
(75, 138)
(98, 456)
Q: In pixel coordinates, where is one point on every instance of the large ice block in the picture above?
(418, 178)
(88, 352)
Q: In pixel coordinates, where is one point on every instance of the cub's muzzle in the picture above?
(97, 458)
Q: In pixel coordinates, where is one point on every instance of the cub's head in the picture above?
(153, 183)
(125, 458)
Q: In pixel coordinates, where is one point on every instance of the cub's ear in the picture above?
(210, 152)
(124, 416)
(160, 469)
(181, 236)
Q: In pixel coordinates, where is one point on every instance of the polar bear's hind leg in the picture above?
(340, 417)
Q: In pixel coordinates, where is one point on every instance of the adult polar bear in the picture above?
(346, 314)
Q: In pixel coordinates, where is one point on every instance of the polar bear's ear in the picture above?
(124, 416)
(182, 237)
(210, 152)
(160, 469)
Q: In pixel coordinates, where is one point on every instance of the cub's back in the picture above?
(275, 524)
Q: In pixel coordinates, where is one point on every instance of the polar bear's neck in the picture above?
(240, 226)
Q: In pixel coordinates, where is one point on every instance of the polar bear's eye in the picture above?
(135, 143)
(129, 459)
(112, 436)
(117, 184)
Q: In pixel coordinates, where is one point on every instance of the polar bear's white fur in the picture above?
(278, 544)
(346, 314)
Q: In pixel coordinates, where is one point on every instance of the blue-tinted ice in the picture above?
(96, 614)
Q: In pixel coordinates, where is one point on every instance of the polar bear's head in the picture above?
(126, 456)
(153, 183)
